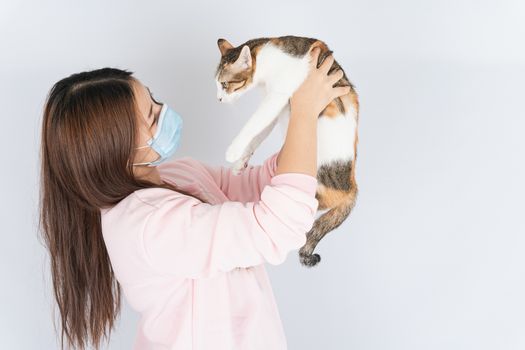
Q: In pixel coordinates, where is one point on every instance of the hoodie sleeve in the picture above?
(246, 186)
(186, 237)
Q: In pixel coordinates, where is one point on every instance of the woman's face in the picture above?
(147, 120)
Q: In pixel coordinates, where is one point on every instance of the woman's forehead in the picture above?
(143, 98)
(141, 90)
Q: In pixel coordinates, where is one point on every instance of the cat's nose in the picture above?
(220, 99)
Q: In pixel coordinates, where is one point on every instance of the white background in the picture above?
(432, 257)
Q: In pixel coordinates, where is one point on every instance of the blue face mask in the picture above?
(167, 136)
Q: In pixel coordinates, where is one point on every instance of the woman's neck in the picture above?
(151, 174)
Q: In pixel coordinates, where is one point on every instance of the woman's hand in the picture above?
(317, 90)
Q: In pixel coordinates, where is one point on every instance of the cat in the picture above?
(281, 64)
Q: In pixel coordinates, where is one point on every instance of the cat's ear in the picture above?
(224, 45)
(244, 61)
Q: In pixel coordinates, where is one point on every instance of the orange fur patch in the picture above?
(329, 197)
(331, 110)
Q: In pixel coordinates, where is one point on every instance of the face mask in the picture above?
(167, 136)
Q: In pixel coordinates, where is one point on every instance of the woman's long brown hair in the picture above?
(89, 133)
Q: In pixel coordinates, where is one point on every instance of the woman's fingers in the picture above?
(327, 63)
(341, 90)
(317, 90)
(314, 57)
(335, 76)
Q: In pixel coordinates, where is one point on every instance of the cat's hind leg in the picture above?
(328, 221)
(336, 157)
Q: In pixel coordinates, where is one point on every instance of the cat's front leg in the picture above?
(237, 149)
(241, 164)
(265, 115)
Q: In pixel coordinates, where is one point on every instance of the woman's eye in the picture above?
(155, 118)
(154, 100)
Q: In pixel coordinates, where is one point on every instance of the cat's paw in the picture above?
(237, 170)
(309, 260)
(308, 257)
(234, 152)
(241, 164)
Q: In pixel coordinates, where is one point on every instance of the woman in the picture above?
(186, 242)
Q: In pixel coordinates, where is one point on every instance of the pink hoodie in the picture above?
(195, 271)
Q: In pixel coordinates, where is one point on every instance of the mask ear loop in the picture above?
(161, 116)
(137, 164)
(143, 163)
(146, 163)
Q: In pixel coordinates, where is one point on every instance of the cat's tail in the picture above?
(327, 222)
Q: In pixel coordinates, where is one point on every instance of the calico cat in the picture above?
(280, 64)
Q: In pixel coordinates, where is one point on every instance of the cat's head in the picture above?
(235, 72)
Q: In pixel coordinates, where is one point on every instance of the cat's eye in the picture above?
(226, 83)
